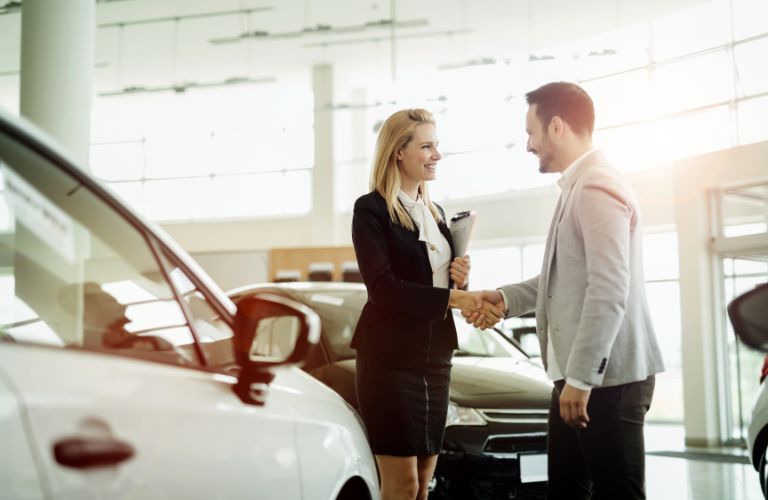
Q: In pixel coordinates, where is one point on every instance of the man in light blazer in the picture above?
(592, 315)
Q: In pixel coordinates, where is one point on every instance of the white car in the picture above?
(125, 372)
(757, 436)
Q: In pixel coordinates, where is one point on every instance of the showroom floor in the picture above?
(677, 472)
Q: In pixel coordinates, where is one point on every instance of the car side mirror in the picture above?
(749, 316)
(270, 331)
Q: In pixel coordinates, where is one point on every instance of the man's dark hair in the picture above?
(566, 100)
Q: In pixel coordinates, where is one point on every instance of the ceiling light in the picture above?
(387, 38)
(183, 87)
(320, 29)
(483, 61)
(202, 15)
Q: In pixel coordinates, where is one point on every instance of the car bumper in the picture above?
(483, 462)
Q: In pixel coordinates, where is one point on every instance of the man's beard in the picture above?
(545, 163)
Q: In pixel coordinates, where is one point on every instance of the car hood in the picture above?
(491, 383)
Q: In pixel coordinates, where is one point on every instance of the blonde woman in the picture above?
(406, 336)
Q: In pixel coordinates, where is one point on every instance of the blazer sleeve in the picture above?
(604, 213)
(521, 296)
(385, 290)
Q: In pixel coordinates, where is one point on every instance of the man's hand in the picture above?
(460, 271)
(473, 304)
(477, 318)
(573, 406)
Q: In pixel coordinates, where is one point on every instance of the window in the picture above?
(662, 288)
(214, 334)
(749, 18)
(752, 74)
(76, 274)
(751, 115)
(697, 28)
(236, 152)
(621, 98)
(692, 83)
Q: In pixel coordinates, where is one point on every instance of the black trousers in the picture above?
(605, 461)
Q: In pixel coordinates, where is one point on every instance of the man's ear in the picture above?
(556, 126)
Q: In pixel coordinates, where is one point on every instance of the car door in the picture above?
(18, 471)
(112, 365)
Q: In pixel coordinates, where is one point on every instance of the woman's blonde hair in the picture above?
(395, 134)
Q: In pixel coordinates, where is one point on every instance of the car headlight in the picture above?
(460, 415)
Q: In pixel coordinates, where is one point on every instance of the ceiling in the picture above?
(161, 43)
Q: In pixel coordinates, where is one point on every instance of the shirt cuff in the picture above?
(504, 298)
(579, 384)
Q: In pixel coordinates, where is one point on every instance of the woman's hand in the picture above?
(474, 304)
(459, 271)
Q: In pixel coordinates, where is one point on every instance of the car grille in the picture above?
(515, 416)
(515, 443)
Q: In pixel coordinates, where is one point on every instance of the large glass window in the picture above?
(673, 87)
(663, 291)
(692, 83)
(751, 117)
(751, 71)
(690, 30)
(238, 151)
(749, 18)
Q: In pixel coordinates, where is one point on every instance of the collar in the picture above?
(408, 201)
(570, 174)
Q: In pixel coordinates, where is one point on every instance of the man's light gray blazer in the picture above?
(590, 295)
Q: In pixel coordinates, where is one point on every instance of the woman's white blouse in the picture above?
(438, 249)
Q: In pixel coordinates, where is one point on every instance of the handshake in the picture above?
(482, 308)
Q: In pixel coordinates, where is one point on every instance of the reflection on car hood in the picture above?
(492, 382)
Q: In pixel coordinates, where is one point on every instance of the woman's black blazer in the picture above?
(404, 311)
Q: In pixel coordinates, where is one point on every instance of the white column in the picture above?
(701, 383)
(322, 216)
(57, 40)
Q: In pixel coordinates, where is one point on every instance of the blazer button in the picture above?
(433, 247)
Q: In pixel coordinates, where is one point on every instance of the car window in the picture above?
(75, 273)
(476, 342)
(215, 336)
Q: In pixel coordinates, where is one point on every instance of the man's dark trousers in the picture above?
(605, 461)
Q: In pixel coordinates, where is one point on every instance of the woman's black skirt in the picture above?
(403, 400)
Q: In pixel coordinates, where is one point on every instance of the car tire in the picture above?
(355, 489)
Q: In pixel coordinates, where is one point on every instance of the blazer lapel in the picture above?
(447, 234)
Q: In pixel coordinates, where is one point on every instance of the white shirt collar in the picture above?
(569, 174)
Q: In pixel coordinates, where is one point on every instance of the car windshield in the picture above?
(340, 309)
